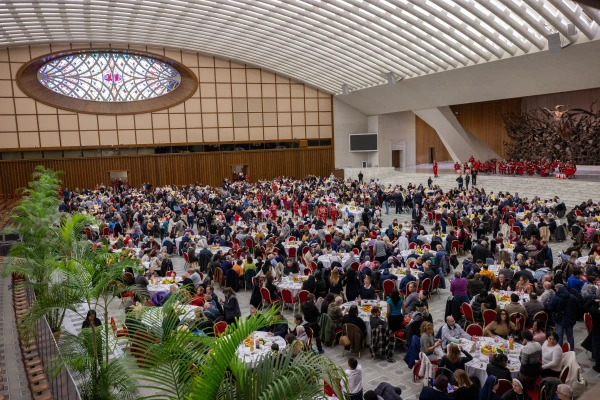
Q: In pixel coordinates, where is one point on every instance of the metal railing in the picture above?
(63, 385)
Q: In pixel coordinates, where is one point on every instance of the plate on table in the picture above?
(367, 308)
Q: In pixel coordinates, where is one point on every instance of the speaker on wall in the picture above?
(554, 42)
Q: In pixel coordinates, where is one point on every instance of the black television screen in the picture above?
(363, 142)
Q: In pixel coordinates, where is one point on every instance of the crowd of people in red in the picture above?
(494, 166)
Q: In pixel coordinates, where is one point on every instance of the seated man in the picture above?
(367, 291)
(515, 307)
(452, 333)
(501, 283)
(335, 312)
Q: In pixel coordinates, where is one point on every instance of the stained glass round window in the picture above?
(109, 77)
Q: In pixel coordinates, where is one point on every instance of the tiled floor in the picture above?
(13, 374)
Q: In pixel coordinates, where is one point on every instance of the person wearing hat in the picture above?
(517, 392)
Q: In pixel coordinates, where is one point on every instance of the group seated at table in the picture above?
(357, 279)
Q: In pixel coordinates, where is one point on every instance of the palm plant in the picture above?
(97, 378)
(186, 366)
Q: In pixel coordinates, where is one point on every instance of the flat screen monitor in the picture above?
(363, 142)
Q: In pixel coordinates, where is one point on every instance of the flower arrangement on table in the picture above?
(367, 308)
(168, 281)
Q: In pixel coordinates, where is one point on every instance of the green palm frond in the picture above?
(96, 379)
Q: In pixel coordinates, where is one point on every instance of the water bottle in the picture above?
(508, 288)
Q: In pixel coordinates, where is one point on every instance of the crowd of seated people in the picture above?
(243, 229)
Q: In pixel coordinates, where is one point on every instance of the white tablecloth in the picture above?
(160, 287)
(477, 366)
(356, 212)
(215, 249)
(406, 253)
(326, 259)
(583, 260)
(249, 358)
(366, 315)
(287, 283)
(522, 297)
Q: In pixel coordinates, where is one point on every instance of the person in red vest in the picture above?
(476, 165)
(333, 213)
(295, 208)
(323, 213)
(435, 169)
(457, 167)
(304, 208)
(273, 209)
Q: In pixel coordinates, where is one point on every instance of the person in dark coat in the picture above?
(384, 391)
(231, 306)
(439, 391)
(564, 308)
(352, 284)
(91, 320)
(480, 251)
(517, 392)
(497, 367)
(311, 316)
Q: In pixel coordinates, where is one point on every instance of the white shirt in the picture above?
(551, 357)
(354, 379)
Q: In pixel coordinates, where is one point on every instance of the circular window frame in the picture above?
(28, 83)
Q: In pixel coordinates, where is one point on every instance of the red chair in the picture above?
(303, 296)
(249, 243)
(171, 274)
(187, 261)
(355, 251)
(328, 390)
(435, 285)
(459, 222)
(426, 247)
(372, 251)
(127, 295)
(516, 229)
(566, 347)
(519, 320)
(286, 294)
(488, 317)
(587, 318)
(438, 217)
(266, 297)
(412, 246)
(88, 232)
(504, 386)
(426, 284)
(236, 241)
(305, 250)
(564, 374)
(292, 252)
(313, 266)
(355, 266)
(106, 231)
(388, 286)
(474, 330)
(467, 312)
(456, 247)
(113, 324)
(220, 328)
(511, 222)
(542, 316)
(328, 238)
(411, 262)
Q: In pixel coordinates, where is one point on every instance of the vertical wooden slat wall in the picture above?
(427, 137)
(174, 169)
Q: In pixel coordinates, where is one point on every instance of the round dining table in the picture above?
(364, 312)
(477, 367)
(252, 357)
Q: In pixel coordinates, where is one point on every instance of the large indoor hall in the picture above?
(299, 200)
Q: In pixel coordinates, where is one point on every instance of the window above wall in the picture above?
(107, 81)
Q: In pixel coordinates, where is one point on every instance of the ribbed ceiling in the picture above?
(323, 43)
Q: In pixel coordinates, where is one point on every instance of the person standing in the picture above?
(435, 169)
(399, 200)
(460, 181)
(564, 313)
(360, 176)
(416, 214)
(467, 180)
(386, 202)
(231, 306)
(429, 182)
(474, 177)
(354, 374)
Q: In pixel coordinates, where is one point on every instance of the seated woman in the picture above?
(453, 359)
(431, 346)
(91, 320)
(273, 291)
(500, 327)
(538, 332)
(198, 297)
(551, 356)
(517, 392)
(352, 318)
(523, 285)
(465, 389)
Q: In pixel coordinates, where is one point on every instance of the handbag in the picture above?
(344, 339)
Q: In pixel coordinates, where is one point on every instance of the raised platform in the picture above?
(571, 191)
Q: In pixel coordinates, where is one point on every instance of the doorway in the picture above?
(431, 155)
(397, 158)
(239, 172)
(119, 180)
